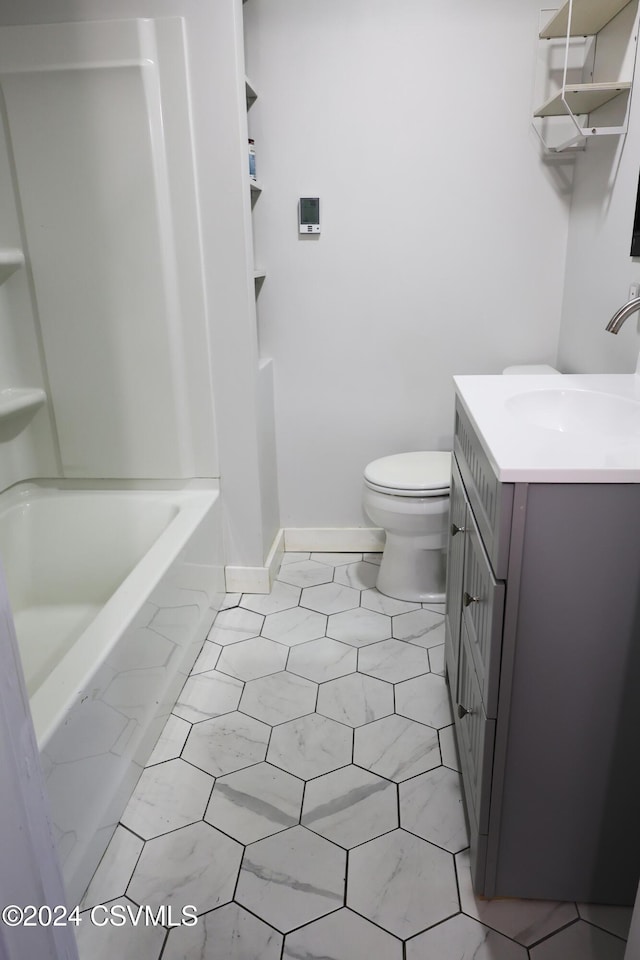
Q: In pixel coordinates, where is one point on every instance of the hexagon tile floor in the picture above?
(305, 798)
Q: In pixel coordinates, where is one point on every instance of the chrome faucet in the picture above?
(622, 314)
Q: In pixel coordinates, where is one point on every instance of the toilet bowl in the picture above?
(408, 496)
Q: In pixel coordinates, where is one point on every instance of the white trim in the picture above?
(257, 579)
(334, 539)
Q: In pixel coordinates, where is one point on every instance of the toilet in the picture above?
(407, 494)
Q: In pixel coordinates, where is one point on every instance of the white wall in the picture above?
(443, 234)
(599, 266)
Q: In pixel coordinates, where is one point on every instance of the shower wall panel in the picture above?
(97, 115)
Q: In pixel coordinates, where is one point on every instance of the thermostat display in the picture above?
(309, 214)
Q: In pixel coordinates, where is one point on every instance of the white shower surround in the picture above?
(113, 592)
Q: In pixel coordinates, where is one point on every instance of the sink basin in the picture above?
(577, 411)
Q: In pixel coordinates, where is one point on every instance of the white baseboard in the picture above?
(257, 579)
(334, 539)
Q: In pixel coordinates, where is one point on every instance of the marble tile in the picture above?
(396, 748)
(230, 600)
(104, 942)
(226, 743)
(422, 627)
(616, 920)
(306, 573)
(372, 600)
(279, 697)
(448, 748)
(235, 624)
(310, 746)
(114, 870)
(359, 627)
(228, 933)
(295, 626)
(580, 941)
(282, 597)
(208, 695)
(292, 878)
(323, 659)
(254, 658)
(255, 803)
(436, 660)
(355, 699)
(392, 660)
(425, 699)
(439, 608)
(336, 559)
(525, 921)
(292, 556)
(431, 806)
(171, 740)
(360, 575)
(461, 937)
(196, 866)
(167, 796)
(342, 935)
(350, 806)
(402, 883)
(207, 658)
(330, 598)
(373, 557)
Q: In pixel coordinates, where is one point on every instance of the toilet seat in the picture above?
(417, 474)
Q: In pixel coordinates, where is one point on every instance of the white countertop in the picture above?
(523, 451)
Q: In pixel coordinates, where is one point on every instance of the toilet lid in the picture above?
(416, 472)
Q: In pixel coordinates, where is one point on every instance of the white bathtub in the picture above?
(113, 592)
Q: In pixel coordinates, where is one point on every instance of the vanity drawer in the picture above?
(482, 615)
(475, 736)
(491, 501)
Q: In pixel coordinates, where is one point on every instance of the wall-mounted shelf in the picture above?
(10, 260)
(250, 92)
(604, 71)
(588, 17)
(582, 98)
(15, 400)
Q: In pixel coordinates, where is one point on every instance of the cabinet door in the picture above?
(455, 570)
(475, 735)
(482, 606)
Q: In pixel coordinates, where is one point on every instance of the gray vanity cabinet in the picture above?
(543, 662)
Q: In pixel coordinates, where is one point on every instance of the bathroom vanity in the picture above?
(543, 633)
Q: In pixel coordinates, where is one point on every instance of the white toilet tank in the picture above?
(530, 368)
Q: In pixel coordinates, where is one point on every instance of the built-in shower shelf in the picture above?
(10, 259)
(15, 400)
(582, 98)
(250, 92)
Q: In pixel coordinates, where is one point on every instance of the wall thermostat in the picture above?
(309, 214)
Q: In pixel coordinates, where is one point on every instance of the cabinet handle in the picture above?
(456, 529)
(463, 712)
(467, 599)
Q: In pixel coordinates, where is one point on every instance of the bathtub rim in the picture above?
(194, 499)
